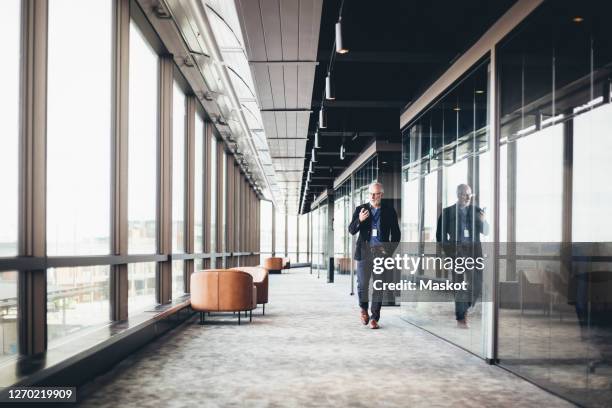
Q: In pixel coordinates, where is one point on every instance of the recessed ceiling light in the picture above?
(578, 19)
(456, 109)
(479, 91)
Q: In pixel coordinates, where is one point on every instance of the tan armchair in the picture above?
(260, 280)
(220, 290)
(273, 265)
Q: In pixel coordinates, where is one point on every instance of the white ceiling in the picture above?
(281, 39)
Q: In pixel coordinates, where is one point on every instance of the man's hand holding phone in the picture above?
(363, 215)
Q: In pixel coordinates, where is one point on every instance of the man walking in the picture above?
(458, 230)
(379, 235)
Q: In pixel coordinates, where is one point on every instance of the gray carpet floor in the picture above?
(309, 350)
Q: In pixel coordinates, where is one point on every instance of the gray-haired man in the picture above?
(379, 235)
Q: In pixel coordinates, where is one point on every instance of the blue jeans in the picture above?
(364, 274)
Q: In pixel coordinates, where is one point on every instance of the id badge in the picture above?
(466, 233)
(374, 232)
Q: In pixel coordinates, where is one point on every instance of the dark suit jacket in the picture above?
(389, 229)
(451, 241)
(447, 222)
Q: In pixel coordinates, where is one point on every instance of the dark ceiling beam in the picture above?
(389, 57)
(360, 104)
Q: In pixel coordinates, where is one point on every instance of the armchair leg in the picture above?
(201, 317)
(239, 314)
(264, 309)
(250, 316)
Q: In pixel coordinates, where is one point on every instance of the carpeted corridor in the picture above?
(309, 350)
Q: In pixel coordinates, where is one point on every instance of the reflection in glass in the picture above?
(141, 286)
(79, 128)
(178, 169)
(554, 317)
(539, 193)
(592, 190)
(77, 299)
(8, 314)
(9, 125)
(142, 160)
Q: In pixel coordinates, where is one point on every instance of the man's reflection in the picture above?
(458, 230)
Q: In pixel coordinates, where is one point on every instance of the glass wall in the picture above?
(279, 235)
(79, 128)
(141, 287)
(555, 325)
(292, 236)
(9, 125)
(78, 163)
(303, 238)
(343, 211)
(8, 314)
(265, 233)
(319, 238)
(198, 192)
(178, 169)
(9, 145)
(79, 190)
(214, 188)
(142, 160)
(445, 156)
(77, 299)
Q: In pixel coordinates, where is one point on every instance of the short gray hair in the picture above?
(376, 183)
(462, 187)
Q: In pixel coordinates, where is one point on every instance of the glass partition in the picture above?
(446, 157)
(555, 300)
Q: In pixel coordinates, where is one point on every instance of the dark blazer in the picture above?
(447, 222)
(389, 229)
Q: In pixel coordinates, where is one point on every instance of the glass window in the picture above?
(213, 195)
(198, 192)
(141, 286)
(8, 314)
(430, 219)
(77, 299)
(280, 233)
(142, 161)
(178, 169)
(303, 238)
(178, 284)
(9, 125)
(410, 211)
(265, 234)
(292, 237)
(79, 127)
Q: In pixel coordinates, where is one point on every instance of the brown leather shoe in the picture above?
(463, 324)
(374, 324)
(365, 317)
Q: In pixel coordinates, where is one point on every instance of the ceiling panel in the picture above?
(289, 30)
(289, 15)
